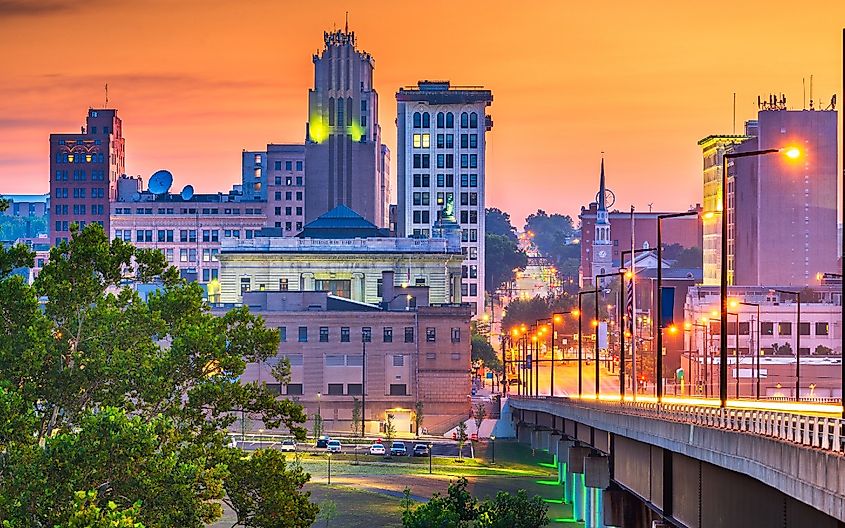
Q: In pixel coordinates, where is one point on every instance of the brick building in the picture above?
(388, 356)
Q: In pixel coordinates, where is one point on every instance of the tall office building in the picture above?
(782, 221)
(346, 162)
(277, 176)
(84, 168)
(781, 212)
(441, 166)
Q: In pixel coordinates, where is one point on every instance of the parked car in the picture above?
(322, 442)
(289, 445)
(377, 449)
(420, 450)
(398, 449)
(333, 446)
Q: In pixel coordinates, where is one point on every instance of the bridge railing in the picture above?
(815, 431)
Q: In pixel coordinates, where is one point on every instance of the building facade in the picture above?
(388, 358)
(342, 253)
(277, 176)
(346, 163)
(189, 232)
(441, 164)
(84, 168)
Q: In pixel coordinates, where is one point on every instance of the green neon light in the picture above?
(547, 482)
(553, 501)
(546, 464)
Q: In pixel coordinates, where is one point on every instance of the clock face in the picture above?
(602, 253)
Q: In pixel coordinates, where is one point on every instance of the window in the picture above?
(450, 120)
(275, 388)
(426, 120)
(398, 361)
(335, 389)
(417, 120)
(367, 332)
(409, 334)
(283, 334)
(784, 329)
(464, 161)
(344, 334)
(295, 360)
(335, 360)
(464, 120)
(430, 334)
(388, 334)
(417, 140)
(822, 329)
(397, 389)
(354, 389)
(294, 389)
(450, 141)
(440, 119)
(245, 281)
(805, 329)
(456, 335)
(473, 120)
(299, 166)
(303, 334)
(440, 141)
(767, 329)
(283, 285)
(324, 334)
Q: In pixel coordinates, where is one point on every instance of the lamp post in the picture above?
(659, 308)
(493, 447)
(621, 274)
(430, 445)
(330, 467)
(758, 347)
(704, 362)
(364, 386)
(557, 317)
(633, 316)
(723, 282)
(797, 342)
(581, 334)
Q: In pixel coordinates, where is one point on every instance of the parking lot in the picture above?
(440, 448)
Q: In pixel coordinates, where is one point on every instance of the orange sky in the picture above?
(198, 81)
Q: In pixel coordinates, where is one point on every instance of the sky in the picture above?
(196, 82)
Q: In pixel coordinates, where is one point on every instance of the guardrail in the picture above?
(819, 432)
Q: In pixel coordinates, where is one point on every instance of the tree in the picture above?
(85, 513)
(502, 256)
(356, 416)
(551, 233)
(389, 429)
(512, 511)
(328, 511)
(483, 351)
(264, 491)
(498, 222)
(479, 414)
(317, 425)
(462, 438)
(683, 257)
(126, 397)
(418, 416)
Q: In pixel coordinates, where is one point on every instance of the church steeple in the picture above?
(602, 204)
(602, 250)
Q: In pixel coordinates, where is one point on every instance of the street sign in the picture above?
(489, 375)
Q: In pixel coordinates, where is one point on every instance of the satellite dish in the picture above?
(160, 182)
(187, 192)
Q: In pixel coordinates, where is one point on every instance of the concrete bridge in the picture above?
(680, 464)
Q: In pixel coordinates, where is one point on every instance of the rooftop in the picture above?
(341, 223)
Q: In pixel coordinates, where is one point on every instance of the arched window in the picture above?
(450, 120)
(440, 116)
(426, 120)
(417, 120)
(473, 120)
(331, 111)
(464, 120)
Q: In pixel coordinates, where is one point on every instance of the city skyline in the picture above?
(559, 99)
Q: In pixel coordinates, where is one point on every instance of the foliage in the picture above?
(265, 492)
(512, 511)
(102, 391)
(328, 511)
(484, 352)
(461, 437)
(498, 222)
(15, 227)
(479, 414)
(356, 416)
(419, 416)
(529, 311)
(317, 425)
(458, 509)
(502, 256)
(683, 257)
(86, 513)
(389, 428)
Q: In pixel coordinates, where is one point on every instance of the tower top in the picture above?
(602, 204)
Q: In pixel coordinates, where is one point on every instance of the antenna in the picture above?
(346, 28)
(650, 206)
(734, 121)
(107, 95)
(811, 92)
(804, 91)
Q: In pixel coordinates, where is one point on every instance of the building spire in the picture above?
(602, 204)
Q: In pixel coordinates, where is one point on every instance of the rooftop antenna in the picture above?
(650, 206)
(804, 91)
(734, 119)
(811, 92)
(107, 95)
(346, 28)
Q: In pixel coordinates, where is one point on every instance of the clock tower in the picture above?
(602, 261)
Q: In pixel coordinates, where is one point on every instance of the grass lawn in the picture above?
(358, 508)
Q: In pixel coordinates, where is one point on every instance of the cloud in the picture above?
(10, 8)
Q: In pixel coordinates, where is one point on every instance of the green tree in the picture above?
(551, 233)
(389, 429)
(512, 511)
(125, 397)
(328, 511)
(86, 514)
(316, 425)
(356, 416)
(462, 438)
(483, 351)
(419, 416)
(502, 256)
(498, 222)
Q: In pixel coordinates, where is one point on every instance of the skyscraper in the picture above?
(345, 159)
(84, 168)
(441, 165)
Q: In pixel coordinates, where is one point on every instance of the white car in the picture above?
(333, 446)
(377, 449)
(288, 445)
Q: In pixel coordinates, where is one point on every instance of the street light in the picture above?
(705, 325)
(330, 467)
(430, 445)
(797, 343)
(790, 152)
(622, 273)
(659, 308)
(581, 333)
(758, 342)
(556, 317)
(493, 448)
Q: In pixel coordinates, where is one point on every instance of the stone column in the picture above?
(357, 287)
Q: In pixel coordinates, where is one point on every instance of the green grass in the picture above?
(357, 508)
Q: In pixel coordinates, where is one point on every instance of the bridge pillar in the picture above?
(564, 471)
(575, 460)
(589, 515)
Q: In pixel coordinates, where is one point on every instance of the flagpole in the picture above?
(633, 310)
